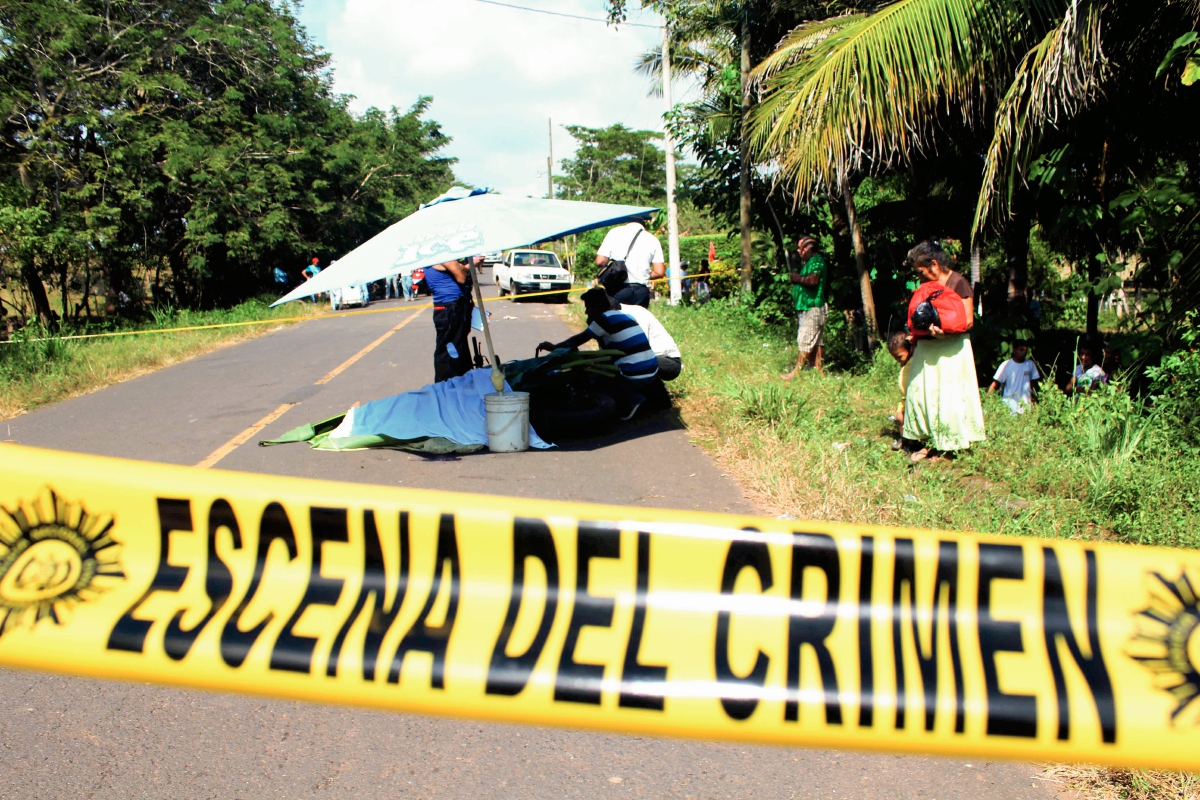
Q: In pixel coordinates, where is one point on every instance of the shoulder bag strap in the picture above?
(632, 242)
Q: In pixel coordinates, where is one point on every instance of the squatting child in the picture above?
(900, 345)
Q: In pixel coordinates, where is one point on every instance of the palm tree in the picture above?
(702, 32)
(865, 93)
(717, 42)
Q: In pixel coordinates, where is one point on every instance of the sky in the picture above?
(496, 75)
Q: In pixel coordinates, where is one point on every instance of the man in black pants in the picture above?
(642, 255)
(450, 285)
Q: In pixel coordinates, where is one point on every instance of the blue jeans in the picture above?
(391, 289)
(406, 282)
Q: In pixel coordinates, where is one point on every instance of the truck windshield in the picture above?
(535, 260)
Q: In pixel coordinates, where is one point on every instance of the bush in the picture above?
(1175, 384)
(724, 280)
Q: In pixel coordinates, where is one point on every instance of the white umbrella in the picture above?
(461, 223)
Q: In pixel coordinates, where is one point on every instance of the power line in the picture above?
(561, 14)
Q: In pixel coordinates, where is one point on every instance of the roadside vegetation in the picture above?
(1108, 465)
(1114, 465)
(176, 155)
(37, 369)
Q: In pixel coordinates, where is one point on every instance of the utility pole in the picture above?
(744, 151)
(550, 160)
(673, 276)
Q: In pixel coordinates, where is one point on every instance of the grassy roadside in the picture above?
(37, 373)
(820, 448)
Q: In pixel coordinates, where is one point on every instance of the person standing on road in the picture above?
(809, 275)
(450, 285)
(643, 256)
(406, 283)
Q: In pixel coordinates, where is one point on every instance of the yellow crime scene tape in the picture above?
(302, 318)
(633, 620)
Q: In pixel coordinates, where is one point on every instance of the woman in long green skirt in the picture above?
(942, 408)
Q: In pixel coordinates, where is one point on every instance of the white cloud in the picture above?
(496, 75)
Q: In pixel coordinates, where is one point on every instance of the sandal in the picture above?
(920, 455)
(787, 376)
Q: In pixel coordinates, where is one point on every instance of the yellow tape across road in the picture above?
(623, 619)
(280, 320)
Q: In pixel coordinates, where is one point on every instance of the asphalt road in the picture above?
(69, 737)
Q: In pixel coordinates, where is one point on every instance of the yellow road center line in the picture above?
(349, 361)
(243, 437)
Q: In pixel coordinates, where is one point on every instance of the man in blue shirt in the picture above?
(616, 330)
(310, 272)
(450, 284)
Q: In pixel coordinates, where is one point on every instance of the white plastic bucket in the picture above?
(507, 421)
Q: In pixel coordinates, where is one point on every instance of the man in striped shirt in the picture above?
(616, 330)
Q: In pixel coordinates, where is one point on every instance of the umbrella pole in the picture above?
(497, 375)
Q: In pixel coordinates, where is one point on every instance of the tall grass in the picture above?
(37, 369)
(1098, 466)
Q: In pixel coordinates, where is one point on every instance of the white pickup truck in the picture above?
(525, 271)
(350, 296)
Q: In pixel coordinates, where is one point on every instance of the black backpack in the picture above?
(926, 315)
(615, 275)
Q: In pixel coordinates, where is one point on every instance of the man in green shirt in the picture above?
(810, 275)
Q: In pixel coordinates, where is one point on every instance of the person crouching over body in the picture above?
(670, 360)
(638, 383)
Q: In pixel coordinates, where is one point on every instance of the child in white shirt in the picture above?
(1088, 374)
(1017, 376)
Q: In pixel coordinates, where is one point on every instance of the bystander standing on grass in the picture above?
(942, 406)
(809, 276)
(900, 346)
(1088, 373)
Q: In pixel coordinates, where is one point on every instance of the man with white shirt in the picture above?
(643, 257)
(670, 361)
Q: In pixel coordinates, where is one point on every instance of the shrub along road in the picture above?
(74, 737)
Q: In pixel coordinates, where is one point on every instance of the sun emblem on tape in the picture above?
(1167, 641)
(54, 554)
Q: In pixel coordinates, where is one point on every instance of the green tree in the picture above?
(177, 151)
(876, 91)
(614, 165)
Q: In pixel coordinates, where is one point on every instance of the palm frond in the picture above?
(686, 59)
(799, 42)
(1057, 78)
(864, 91)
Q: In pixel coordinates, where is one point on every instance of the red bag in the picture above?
(952, 316)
